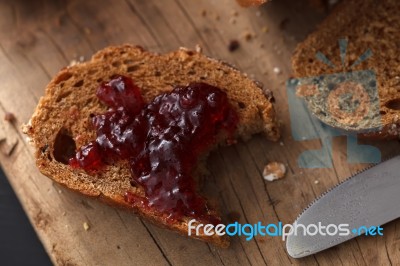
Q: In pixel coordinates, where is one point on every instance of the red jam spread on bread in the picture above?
(162, 141)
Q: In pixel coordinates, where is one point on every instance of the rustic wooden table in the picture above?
(37, 38)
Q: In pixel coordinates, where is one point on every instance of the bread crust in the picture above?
(62, 117)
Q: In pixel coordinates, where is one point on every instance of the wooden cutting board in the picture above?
(37, 38)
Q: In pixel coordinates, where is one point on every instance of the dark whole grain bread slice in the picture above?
(61, 121)
(366, 24)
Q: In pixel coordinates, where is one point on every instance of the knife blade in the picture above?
(369, 198)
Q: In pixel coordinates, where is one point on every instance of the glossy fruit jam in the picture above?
(162, 141)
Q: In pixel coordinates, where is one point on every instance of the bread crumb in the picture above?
(316, 182)
(233, 45)
(59, 191)
(198, 48)
(277, 70)
(281, 143)
(73, 62)
(86, 226)
(264, 29)
(29, 140)
(274, 171)
(9, 117)
(248, 36)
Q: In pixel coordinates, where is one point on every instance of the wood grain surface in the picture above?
(38, 38)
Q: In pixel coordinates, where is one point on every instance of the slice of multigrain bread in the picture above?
(61, 122)
(366, 24)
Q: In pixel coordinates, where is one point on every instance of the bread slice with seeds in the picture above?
(366, 24)
(61, 121)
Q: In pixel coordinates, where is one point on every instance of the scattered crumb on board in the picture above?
(274, 171)
(9, 117)
(86, 226)
(277, 70)
(233, 45)
(248, 36)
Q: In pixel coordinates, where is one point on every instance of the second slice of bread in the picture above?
(366, 24)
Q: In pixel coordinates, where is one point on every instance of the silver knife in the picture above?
(370, 198)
